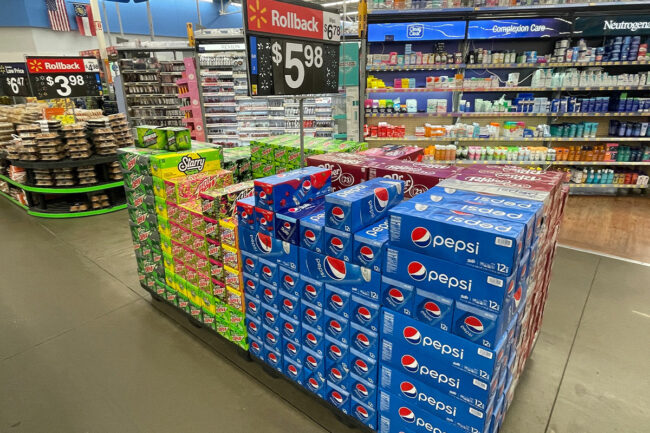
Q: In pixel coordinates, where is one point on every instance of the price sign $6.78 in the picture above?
(297, 60)
(63, 84)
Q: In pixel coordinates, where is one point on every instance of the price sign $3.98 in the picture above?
(298, 61)
(63, 84)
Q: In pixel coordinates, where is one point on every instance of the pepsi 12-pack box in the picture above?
(312, 232)
(354, 208)
(287, 222)
(399, 415)
(269, 248)
(369, 243)
(292, 188)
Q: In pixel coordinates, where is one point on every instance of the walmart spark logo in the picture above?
(36, 65)
(256, 14)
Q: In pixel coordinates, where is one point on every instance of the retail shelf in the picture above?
(513, 114)
(231, 137)
(505, 89)
(164, 107)
(157, 117)
(137, 83)
(220, 114)
(63, 190)
(139, 71)
(554, 65)
(606, 185)
(151, 94)
(219, 104)
(65, 163)
(504, 162)
(172, 73)
(511, 139)
(392, 68)
(46, 214)
(13, 200)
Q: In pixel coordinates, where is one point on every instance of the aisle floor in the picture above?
(83, 350)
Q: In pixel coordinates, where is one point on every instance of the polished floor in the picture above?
(82, 349)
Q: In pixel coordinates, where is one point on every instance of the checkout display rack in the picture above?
(458, 81)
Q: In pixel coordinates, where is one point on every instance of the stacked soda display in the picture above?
(464, 284)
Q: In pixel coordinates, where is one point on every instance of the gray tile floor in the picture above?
(83, 350)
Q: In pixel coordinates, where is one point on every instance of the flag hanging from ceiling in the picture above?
(84, 17)
(58, 15)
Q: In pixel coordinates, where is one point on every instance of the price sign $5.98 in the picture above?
(64, 83)
(296, 61)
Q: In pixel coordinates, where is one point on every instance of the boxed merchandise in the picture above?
(188, 188)
(287, 222)
(203, 157)
(290, 189)
(151, 137)
(347, 168)
(221, 202)
(418, 177)
(177, 138)
(395, 151)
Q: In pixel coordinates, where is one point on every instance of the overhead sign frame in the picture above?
(506, 28)
(417, 31)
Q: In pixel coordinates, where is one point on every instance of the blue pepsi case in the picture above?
(292, 188)
(269, 294)
(480, 242)
(364, 413)
(337, 301)
(250, 264)
(292, 351)
(271, 338)
(312, 291)
(314, 382)
(364, 312)
(363, 391)
(397, 414)
(265, 221)
(433, 309)
(245, 209)
(273, 358)
(418, 339)
(254, 327)
(312, 315)
(289, 305)
(252, 286)
(364, 340)
(290, 281)
(338, 374)
(271, 317)
(312, 339)
(397, 296)
(287, 222)
(359, 206)
(253, 308)
(363, 366)
(337, 327)
(369, 245)
(335, 352)
(290, 329)
(338, 244)
(269, 248)
(269, 272)
(313, 362)
(293, 370)
(356, 279)
(312, 232)
(256, 347)
(462, 283)
(338, 397)
(479, 326)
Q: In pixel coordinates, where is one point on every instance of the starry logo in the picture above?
(256, 14)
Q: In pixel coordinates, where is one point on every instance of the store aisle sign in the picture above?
(626, 25)
(520, 28)
(416, 31)
(63, 77)
(13, 80)
(293, 48)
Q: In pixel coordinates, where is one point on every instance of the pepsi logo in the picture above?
(474, 324)
(313, 384)
(250, 285)
(311, 291)
(517, 296)
(366, 253)
(412, 335)
(287, 226)
(410, 364)
(268, 273)
(270, 317)
(288, 305)
(364, 314)
(395, 295)
(432, 309)
(293, 371)
(270, 338)
(335, 327)
(269, 294)
(406, 414)
(289, 281)
(310, 237)
(311, 339)
(272, 358)
(337, 398)
(361, 389)
(408, 389)
(511, 286)
(335, 268)
(363, 340)
(381, 198)
(335, 351)
(336, 244)
(262, 195)
(421, 237)
(336, 301)
(292, 349)
(311, 315)
(264, 242)
(361, 366)
(338, 214)
(361, 412)
(256, 347)
(336, 374)
(311, 361)
(250, 263)
(252, 307)
(263, 221)
(288, 327)
(417, 271)
(244, 214)
(253, 327)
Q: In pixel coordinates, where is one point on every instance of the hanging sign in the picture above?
(13, 80)
(624, 25)
(420, 31)
(64, 77)
(520, 28)
(293, 47)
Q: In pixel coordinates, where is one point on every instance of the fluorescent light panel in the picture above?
(339, 3)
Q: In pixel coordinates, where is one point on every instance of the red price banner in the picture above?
(65, 65)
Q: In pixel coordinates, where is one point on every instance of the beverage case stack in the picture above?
(464, 284)
(312, 296)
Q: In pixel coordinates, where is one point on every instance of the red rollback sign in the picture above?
(58, 65)
(281, 18)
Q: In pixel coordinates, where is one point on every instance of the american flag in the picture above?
(58, 15)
